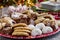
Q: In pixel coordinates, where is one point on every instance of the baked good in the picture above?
(40, 26)
(31, 26)
(36, 32)
(47, 22)
(53, 24)
(1, 26)
(49, 17)
(20, 25)
(39, 20)
(22, 28)
(20, 34)
(8, 20)
(47, 29)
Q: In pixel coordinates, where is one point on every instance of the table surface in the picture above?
(53, 37)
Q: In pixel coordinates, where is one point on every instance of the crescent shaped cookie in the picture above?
(49, 16)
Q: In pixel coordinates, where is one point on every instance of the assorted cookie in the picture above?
(28, 23)
(21, 29)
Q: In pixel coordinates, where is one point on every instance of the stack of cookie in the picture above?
(21, 29)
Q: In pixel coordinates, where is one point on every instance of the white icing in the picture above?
(31, 26)
(47, 29)
(36, 32)
(40, 25)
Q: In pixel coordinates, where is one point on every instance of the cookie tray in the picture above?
(30, 37)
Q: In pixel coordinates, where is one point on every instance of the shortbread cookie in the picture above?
(20, 34)
(20, 25)
(23, 28)
(22, 31)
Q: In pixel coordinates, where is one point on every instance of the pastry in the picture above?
(25, 19)
(31, 26)
(40, 26)
(39, 20)
(47, 29)
(36, 32)
(20, 34)
(34, 16)
(53, 24)
(47, 22)
(49, 17)
(8, 20)
(3, 24)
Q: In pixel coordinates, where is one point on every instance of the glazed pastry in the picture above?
(20, 34)
(36, 32)
(47, 29)
(20, 25)
(40, 26)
